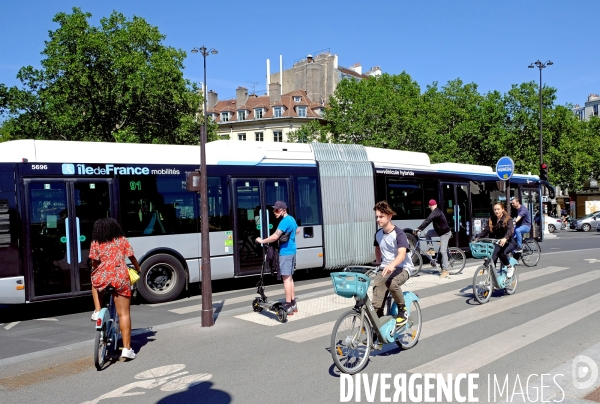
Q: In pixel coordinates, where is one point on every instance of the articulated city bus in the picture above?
(52, 192)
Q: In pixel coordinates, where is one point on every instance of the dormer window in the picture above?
(224, 116)
(258, 113)
(301, 112)
(318, 111)
(297, 98)
(277, 111)
(241, 115)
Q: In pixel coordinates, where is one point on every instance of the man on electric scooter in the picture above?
(391, 252)
(286, 234)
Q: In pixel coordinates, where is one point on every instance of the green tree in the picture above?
(113, 83)
(313, 131)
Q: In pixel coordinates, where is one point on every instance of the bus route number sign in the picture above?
(505, 168)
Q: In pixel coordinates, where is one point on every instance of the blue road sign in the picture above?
(505, 168)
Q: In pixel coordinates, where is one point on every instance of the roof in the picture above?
(262, 101)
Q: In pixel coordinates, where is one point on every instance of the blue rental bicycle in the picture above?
(486, 277)
(352, 334)
(107, 330)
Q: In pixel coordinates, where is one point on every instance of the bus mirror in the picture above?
(192, 181)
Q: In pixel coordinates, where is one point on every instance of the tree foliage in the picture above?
(115, 83)
(457, 123)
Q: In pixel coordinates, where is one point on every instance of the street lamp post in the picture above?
(541, 66)
(207, 310)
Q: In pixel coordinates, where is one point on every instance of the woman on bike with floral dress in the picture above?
(108, 251)
(501, 227)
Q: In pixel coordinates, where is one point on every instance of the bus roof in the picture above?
(220, 152)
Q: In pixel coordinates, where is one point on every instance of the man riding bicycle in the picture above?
(522, 222)
(440, 229)
(391, 252)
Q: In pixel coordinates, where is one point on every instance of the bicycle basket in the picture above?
(481, 250)
(349, 284)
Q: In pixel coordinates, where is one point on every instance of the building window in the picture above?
(224, 116)
(241, 115)
(302, 112)
(277, 112)
(595, 110)
(242, 137)
(258, 136)
(258, 113)
(278, 136)
(297, 98)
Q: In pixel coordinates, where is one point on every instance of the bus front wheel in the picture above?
(162, 278)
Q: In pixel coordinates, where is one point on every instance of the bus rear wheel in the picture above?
(162, 278)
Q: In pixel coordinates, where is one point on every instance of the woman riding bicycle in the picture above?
(501, 227)
(108, 251)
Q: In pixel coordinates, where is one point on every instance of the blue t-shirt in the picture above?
(288, 225)
(525, 217)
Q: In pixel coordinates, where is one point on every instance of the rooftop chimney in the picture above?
(211, 99)
(274, 92)
(241, 96)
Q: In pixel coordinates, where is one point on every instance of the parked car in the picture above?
(552, 223)
(587, 222)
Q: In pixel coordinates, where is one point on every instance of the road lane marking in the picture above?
(321, 330)
(47, 319)
(11, 325)
(484, 352)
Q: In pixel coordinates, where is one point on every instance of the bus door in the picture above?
(253, 200)
(59, 220)
(458, 213)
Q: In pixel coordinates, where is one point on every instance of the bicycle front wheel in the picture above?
(511, 283)
(408, 336)
(456, 260)
(417, 261)
(351, 341)
(531, 252)
(482, 284)
(100, 349)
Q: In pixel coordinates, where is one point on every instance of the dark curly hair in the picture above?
(106, 230)
(384, 208)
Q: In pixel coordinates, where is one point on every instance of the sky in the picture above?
(489, 43)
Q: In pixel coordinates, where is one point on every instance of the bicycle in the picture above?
(531, 252)
(107, 330)
(352, 334)
(486, 278)
(456, 258)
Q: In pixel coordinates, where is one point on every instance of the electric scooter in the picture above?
(262, 302)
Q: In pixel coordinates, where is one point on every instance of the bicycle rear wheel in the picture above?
(456, 260)
(351, 341)
(100, 349)
(531, 252)
(409, 334)
(482, 284)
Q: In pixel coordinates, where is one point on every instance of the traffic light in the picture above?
(544, 172)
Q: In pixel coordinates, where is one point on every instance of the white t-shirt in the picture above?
(389, 243)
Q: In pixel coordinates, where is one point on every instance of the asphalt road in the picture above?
(45, 350)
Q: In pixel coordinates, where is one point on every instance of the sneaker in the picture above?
(518, 250)
(509, 271)
(95, 315)
(444, 273)
(431, 252)
(127, 354)
(401, 319)
(295, 307)
(289, 309)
